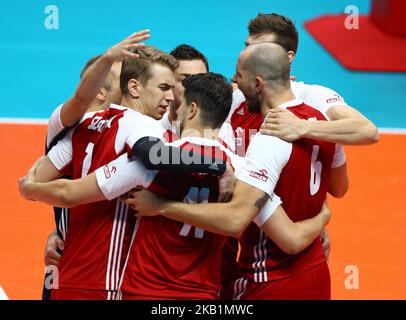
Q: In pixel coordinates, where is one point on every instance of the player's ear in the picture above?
(192, 110)
(259, 84)
(102, 95)
(291, 56)
(133, 86)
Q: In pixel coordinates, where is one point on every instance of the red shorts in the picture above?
(313, 284)
(81, 294)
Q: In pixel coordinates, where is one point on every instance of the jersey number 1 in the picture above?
(315, 171)
(195, 195)
(87, 161)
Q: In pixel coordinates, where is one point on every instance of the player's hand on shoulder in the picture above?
(284, 124)
(123, 49)
(144, 202)
(226, 185)
(53, 244)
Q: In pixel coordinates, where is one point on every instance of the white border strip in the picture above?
(3, 295)
(23, 121)
(34, 121)
(392, 130)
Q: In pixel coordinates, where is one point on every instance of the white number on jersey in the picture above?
(195, 195)
(88, 159)
(315, 171)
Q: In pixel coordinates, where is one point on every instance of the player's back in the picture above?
(99, 233)
(173, 260)
(302, 186)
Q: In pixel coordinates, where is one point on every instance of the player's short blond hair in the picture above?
(139, 68)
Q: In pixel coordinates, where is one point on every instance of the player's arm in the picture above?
(156, 155)
(338, 183)
(63, 193)
(346, 126)
(105, 183)
(230, 218)
(293, 237)
(94, 77)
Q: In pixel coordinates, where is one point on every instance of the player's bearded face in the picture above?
(157, 93)
(253, 104)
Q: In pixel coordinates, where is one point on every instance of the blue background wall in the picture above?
(40, 68)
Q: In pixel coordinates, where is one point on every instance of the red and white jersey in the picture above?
(298, 173)
(246, 124)
(169, 259)
(55, 125)
(99, 233)
(170, 128)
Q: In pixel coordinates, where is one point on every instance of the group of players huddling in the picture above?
(169, 182)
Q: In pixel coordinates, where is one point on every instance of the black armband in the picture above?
(155, 155)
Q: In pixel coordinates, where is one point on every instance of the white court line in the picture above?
(23, 121)
(392, 130)
(3, 295)
(45, 121)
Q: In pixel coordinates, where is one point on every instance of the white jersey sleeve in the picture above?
(318, 97)
(238, 98)
(134, 126)
(339, 157)
(61, 154)
(227, 135)
(121, 175)
(266, 156)
(239, 163)
(54, 125)
(268, 210)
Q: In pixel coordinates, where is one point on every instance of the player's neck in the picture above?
(273, 99)
(199, 132)
(97, 106)
(134, 104)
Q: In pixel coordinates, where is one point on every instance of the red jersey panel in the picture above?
(99, 233)
(173, 260)
(245, 125)
(303, 192)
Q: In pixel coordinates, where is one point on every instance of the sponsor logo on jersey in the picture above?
(261, 175)
(240, 111)
(336, 98)
(99, 124)
(108, 172)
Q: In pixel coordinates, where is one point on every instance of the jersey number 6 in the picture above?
(315, 171)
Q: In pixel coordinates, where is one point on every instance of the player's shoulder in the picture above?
(264, 146)
(132, 115)
(238, 97)
(311, 93)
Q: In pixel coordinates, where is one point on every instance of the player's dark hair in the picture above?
(186, 52)
(212, 93)
(282, 27)
(139, 68)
